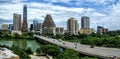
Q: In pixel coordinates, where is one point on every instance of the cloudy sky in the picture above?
(101, 12)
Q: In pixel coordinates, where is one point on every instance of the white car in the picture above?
(59, 40)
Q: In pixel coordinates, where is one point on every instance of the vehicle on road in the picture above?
(92, 46)
(59, 40)
(63, 42)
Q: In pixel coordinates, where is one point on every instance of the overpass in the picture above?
(100, 52)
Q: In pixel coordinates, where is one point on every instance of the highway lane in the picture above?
(96, 51)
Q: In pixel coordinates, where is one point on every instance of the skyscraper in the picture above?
(72, 26)
(17, 22)
(85, 26)
(48, 22)
(85, 22)
(48, 25)
(25, 24)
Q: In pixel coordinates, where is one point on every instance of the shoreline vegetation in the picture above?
(110, 39)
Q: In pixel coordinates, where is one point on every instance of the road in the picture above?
(101, 52)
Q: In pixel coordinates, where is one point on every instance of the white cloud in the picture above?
(13, 1)
(39, 10)
(5, 0)
(97, 14)
(7, 10)
(60, 13)
(63, 1)
(112, 19)
(101, 1)
(18, 1)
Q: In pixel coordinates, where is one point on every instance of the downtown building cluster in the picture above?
(48, 25)
(18, 25)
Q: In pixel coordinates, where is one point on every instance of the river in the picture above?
(33, 44)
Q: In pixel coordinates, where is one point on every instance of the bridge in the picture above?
(100, 52)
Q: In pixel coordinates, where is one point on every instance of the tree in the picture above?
(51, 50)
(68, 54)
(38, 51)
(29, 51)
(20, 52)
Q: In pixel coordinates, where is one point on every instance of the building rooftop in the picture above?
(7, 54)
(40, 56)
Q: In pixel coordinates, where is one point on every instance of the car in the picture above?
(75, 47)
(59, 40)
(63, 42)
(92, 46)
(114, 57)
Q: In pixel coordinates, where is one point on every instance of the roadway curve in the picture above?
(101, 52)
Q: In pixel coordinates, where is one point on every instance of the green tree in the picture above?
(50, 49)
(20, 52)
(68, 54)
(38, 51)
(29, 51)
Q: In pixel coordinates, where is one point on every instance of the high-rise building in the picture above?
(85, 25)
(4, 26)
(48, 25)
(85, 22)
(17, 22)
(72, 26)
(11, 26)
(35, 22)
(25, 24)
(48, 22)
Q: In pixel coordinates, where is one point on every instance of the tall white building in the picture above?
(72, 26)
(17, 22)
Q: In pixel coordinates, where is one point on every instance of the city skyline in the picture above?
(100, 12)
